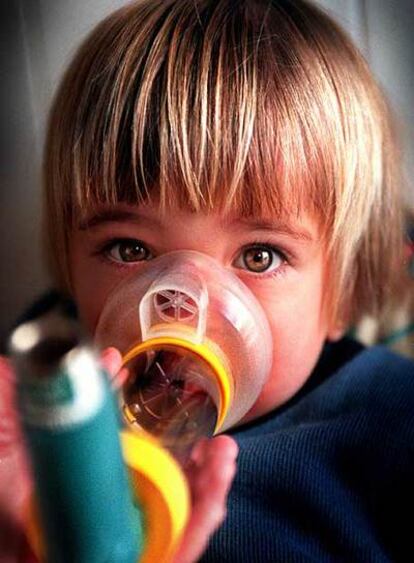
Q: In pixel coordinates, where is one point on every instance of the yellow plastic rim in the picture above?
(162, 493)
(160, 489)
(223, 379)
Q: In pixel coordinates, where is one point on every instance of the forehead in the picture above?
(151, 216)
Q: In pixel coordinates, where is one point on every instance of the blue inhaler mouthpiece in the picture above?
(70, 420)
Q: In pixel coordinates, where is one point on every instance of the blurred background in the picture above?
(38, 37)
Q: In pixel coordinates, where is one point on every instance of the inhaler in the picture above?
(196, 348)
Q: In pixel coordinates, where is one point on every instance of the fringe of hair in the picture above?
(261, 108)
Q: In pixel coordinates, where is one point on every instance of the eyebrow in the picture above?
(120, 215)
(279, 227)
(116, 215)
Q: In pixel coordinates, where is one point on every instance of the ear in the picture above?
(336, 332)
(337, 327)
(339, 321)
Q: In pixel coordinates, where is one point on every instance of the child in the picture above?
(253, 132)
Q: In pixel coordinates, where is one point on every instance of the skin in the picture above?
(209, 473)
(113, 243)
(283, 265)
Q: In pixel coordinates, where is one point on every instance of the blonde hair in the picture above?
(255, 106)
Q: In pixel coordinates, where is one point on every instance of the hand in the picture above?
(15, 479)
(15, 483)
(210, 472)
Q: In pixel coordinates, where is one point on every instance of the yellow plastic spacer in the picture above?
(160, 489)
(222, 377)
(162, 493)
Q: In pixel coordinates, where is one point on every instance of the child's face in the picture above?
(283, 265)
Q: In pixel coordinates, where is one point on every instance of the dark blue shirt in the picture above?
(330, 475)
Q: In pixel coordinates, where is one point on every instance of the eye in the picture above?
(127, 250)
(260, 258)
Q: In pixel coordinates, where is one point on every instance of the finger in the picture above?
(6, 371)
(14, 544)
(207, 516)
(212, 472)
(15, 480)
(111, 360)
(120, 378)
(9, 427)
(218, 446)
(221, 447)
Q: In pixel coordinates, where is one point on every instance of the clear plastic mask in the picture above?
(196, 345)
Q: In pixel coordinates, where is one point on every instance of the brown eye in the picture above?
(128, 251)
(259, 259)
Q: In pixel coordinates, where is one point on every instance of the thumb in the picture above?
(9, 427)
(15, 482)
(111, 360)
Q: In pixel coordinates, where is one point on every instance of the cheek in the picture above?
(299, 328)
(297, 346)
(90, 289)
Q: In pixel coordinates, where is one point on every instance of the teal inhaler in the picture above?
(70, 420)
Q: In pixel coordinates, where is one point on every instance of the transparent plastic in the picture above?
(171, 394)
(172, 390)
